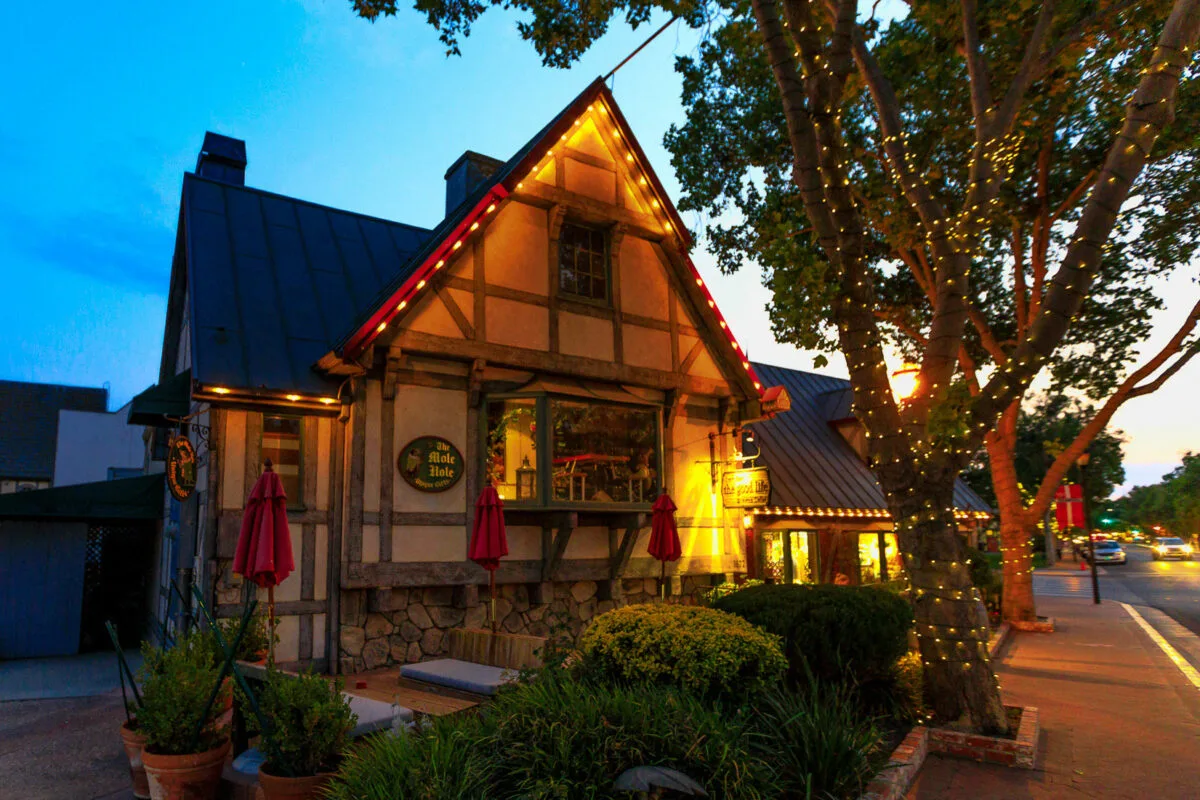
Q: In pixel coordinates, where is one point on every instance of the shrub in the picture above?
(704, 651)
(827, 630)
(908, 680)
(817, 741)
(176, 685)
(443, 760)
(255, 642)
(561, 738)
(309, 724)
(710, 596)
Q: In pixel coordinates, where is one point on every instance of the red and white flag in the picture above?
(1068, 506)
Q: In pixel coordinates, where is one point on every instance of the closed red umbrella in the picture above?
(489, 542)
(264, 548)
(664, 536)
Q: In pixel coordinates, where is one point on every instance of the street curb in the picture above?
(1168, 649)
(1002, 634)
(895, 779)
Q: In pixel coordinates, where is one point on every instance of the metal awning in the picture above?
(163, 402)
(126, 498)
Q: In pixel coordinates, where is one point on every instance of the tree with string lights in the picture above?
(821, 64)
(735, 129)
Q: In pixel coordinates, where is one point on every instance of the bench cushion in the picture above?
(463, 675)
(376, 715)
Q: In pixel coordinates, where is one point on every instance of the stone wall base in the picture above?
(382, 627)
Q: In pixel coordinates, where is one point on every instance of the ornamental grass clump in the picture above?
(707, 652)
(557, 737)
(817, 741)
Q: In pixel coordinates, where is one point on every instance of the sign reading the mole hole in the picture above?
(181, 468)
(430, 464)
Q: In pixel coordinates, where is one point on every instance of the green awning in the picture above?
(127, 498)
(171, 398)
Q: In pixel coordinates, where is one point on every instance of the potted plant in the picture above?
(308, 727)
(256, 642)
(185, 744)
(134, 743)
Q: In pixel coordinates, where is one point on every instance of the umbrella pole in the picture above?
(492, 581)
(271, 626)
(662, 581)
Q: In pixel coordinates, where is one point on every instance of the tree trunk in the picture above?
(1017, 597)
(1018, 569)
(951, 621)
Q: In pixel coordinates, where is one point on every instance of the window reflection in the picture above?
(512, 457)
(604, 453)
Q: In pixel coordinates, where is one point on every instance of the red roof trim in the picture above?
(403, 297)
(407, 293)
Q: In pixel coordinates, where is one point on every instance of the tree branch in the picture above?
(1130, 388)
(1019, 288)
(1026, 73)
(1149, 111)
(981, 87)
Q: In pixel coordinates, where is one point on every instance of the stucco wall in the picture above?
(90, 442)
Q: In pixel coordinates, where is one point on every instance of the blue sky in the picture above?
(105, 105)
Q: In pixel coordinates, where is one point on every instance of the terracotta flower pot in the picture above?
(224, 706)
(277, 787)
(134, 742)
(192, 777)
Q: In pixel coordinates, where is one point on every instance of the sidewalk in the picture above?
(1119, 720)
(69, 676)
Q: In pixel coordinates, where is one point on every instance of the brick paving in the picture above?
(1118, 719)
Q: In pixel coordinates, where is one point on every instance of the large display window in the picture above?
(553, 451)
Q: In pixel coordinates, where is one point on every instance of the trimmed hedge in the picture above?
(707, 652)
(828, 630)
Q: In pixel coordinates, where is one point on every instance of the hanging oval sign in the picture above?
(430, 464)
(181, 468)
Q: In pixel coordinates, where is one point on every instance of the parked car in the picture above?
(1108, 552)
(1172, 547)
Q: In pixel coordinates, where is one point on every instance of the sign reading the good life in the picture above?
(430, 464)
(181, 468)
(746, 488)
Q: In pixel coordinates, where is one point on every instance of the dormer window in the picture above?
(583, 262)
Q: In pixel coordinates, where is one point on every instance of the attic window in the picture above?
(583, 262)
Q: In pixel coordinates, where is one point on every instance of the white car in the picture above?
(1109, 552)
(1172, 547)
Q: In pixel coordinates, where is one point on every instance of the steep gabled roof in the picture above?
(457, 227)
(29, 424)
(812, 465)
(272, 280)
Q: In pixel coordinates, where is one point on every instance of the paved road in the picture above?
(1171, 587)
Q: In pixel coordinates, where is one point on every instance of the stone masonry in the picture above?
(382, 627)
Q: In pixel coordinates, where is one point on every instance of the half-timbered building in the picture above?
(550, 335)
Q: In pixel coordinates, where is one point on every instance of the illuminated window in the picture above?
(605, 453)
(512, 456)
(281, 444)
(582, 262)
(788, 557)
(875, 566)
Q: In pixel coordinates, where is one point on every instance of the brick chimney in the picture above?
(222, 158)
(465, 175)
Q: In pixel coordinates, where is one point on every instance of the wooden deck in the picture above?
(386, 685)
